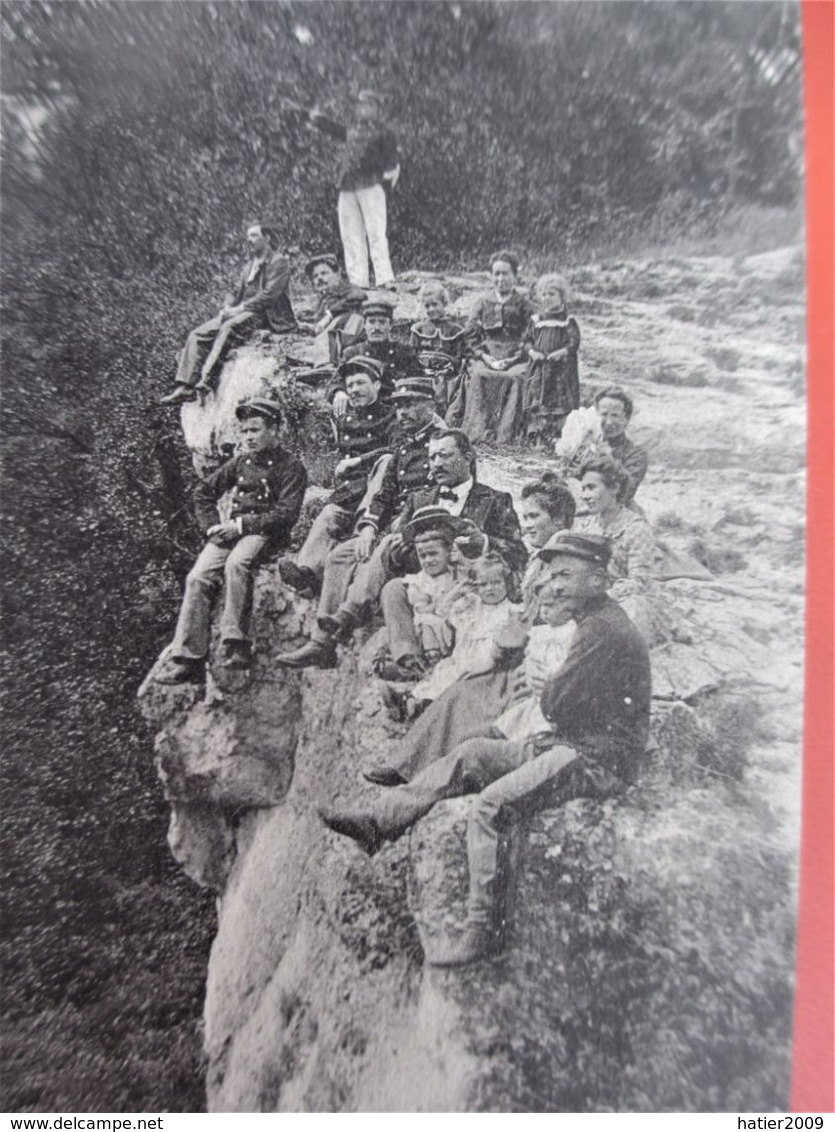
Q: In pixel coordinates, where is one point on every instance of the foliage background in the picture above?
(138, 139)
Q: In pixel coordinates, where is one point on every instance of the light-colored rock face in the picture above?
(649, 956)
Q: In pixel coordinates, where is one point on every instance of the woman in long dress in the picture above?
(468, 708)
(603, 483)
(489, 401)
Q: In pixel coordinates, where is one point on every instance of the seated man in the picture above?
(267, 486)
(408, 468)
(338, 312)
(259, 302)
(398, 360)
(354, 589)
(364, 434)
(597, 704)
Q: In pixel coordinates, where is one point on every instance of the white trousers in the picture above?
(362, 226)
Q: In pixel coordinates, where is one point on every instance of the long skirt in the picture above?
(492, 402)
(463, 711)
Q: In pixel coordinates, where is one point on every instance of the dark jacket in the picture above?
(367, 433)
(266, 295)
(633, 460)
(407, 472)
(370, 150)
(267, 493)
(398, 361)
(599, 700)
(342, 298)
(491, 511)
(438, 343)
(498, 328)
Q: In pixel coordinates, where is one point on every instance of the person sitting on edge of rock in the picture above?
(488, 404)
(389, 486)
(552, 386)
(603, 484)
(546, 510)
(482, 606)
(338, 310)
(364, 434)
(487, 517)
(597, 705)
(440, 342)
(267, 486)
(259, 302)
(398, 359)
(415, 628)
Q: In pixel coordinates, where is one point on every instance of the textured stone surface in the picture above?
(648, 960)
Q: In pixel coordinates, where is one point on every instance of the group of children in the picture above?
(542, 364)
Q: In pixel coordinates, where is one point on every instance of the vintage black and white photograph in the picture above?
(404, 425)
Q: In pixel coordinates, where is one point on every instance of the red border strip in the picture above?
(814, 1056)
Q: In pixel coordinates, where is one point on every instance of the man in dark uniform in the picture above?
(260, 301)
(369, 158)
(267, 486)
(597, 704)
(487, 519)
(364, 434)
(407, 469)
(338, 312)
(397, 359)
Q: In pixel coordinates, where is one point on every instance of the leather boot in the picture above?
(358, 826)
(314, 654)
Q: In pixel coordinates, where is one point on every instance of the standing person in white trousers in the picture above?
(369, 158)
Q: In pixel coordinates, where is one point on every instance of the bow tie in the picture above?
(445, 492)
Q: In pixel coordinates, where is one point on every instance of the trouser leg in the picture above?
(372, 203)
(465, 770)
(238, 573)
(354, 243)
(232, 330)
(400, 620)
(340, 565)
(191, 638)
(482, 823)
(368, 581)
(198, 344)
(330, 525)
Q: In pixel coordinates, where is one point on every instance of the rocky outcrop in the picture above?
(648, 964)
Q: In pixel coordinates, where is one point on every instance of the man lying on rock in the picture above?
(363, 434)
(398, 360)
(266, 485)
(259, 302)
(357, 570)
(597, 705)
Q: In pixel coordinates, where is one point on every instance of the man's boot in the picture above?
(181, 393)
(313, 654)
(298, 578)
(478, 940)
(180, 670)
(358, 826)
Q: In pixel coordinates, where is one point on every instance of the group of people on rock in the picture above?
(515, 634)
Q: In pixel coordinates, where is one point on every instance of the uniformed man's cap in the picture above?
(259, 407)
(371, 366)
(376, 305)
(322, 257)
(432, 521)
(413, 389)
(593, 548)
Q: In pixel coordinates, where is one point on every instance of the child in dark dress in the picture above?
(440, 343)
(552, 339)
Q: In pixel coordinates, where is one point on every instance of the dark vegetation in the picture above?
(138, 139)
